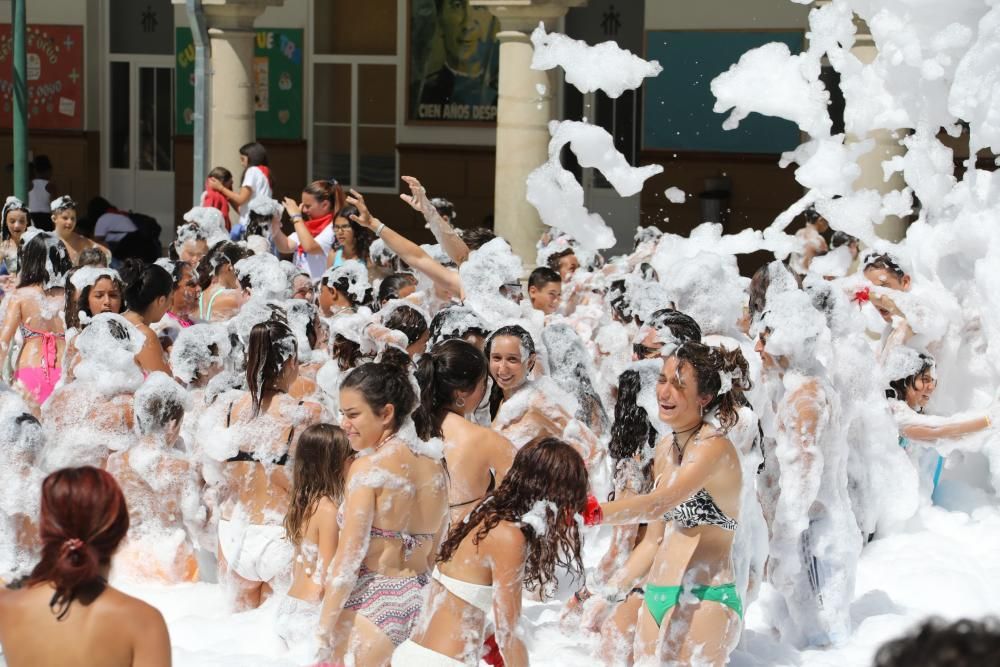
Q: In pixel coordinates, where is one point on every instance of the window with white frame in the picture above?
(354, 93)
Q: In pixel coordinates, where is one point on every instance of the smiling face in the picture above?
(920, 393)
(17, 222)
(364, 427)
(508, 368)
(64, 221)
(104, 297)
(546, 298)
(677, 395)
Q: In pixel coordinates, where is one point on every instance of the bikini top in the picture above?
(27, 333)
(489, 489)
(410, 540)
(242, 455)
(477, 595)
(700, 510)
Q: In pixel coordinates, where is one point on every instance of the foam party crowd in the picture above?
(336, 446)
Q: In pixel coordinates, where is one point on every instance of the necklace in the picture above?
(677, 447)
(385, 439)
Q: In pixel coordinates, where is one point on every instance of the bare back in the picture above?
(115, 630)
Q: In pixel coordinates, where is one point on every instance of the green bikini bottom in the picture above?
(660, 599)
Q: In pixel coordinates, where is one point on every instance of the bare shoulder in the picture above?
(505, 536)
(130, 610)
(325, 509)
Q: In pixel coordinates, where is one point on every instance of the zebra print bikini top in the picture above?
(700, 510)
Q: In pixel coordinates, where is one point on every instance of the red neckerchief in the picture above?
(214, 199)
(316, 227)
(267, 174)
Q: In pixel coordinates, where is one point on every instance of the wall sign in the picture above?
(277, 71)
(55, 77)
(454, 63)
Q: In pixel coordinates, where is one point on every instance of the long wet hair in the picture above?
(12, 204)
(450, 366)
(345, 351)
(527, 342)
(708, 362)
(631, 428)
(271, 346)
(546, 471)
(83, 520)
(222, 253)
(381, 384)
(44, 252)
(144, 284)
(321, 459)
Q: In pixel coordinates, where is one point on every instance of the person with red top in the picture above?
(314, 229)
(212, 198)
(256, 183)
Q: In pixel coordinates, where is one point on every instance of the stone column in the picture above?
(523, 114)
(231, 113)
(887, 146)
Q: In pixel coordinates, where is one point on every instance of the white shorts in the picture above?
(255, 552)
(410, 653)
(297, 620)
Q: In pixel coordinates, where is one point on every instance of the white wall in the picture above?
(57, 12)
(724, 14)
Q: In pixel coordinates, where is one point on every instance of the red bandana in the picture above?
(316, 227)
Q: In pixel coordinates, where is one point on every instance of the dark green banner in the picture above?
(277, 73)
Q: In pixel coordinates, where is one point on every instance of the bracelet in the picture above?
(296, 217)
(989, 422)
(381, 228)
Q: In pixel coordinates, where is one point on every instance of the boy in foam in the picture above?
(545, 289)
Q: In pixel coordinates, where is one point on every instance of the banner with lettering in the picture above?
(454, 63)
(277, 70)
(55, 77)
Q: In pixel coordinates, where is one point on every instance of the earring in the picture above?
(459, 402)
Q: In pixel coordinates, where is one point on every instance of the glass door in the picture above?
(140, 138)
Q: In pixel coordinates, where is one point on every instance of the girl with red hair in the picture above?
(65, 613)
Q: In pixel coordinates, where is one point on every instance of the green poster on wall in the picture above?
(277, 73)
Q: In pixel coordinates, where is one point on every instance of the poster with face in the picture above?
(454, 63)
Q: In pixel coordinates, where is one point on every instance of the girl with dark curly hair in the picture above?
(697, 492)
(516, 538)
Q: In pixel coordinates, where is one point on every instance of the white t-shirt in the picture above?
(113, 227)
(258, 184)
(315, 264)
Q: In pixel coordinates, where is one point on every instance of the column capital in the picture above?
(525, 15)
(233, 14)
